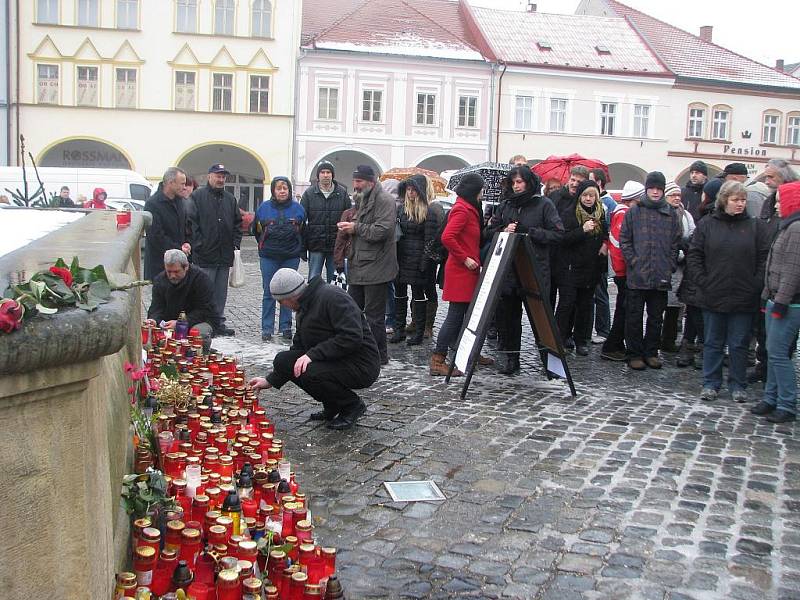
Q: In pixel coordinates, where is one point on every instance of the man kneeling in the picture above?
(333, 351)
(181, 287)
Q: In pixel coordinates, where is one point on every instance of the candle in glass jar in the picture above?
(174, 530)
(144, 562)
(228, 585)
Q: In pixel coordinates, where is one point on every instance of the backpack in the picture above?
(434, 249)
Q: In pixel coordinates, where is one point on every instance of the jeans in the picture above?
(268, 268)
(615, 342)
(315, 262)
(602, 308)
(781, 386)
(574, 313)
(638, 343)
(448, 332)
(726, 329)
(219, 277)
(372, 300)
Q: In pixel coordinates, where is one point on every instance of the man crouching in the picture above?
(332, 353)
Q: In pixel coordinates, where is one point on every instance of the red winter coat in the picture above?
(98, 199)
(617, 260)
(462, 238)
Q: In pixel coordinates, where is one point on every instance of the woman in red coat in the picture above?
(462, 238)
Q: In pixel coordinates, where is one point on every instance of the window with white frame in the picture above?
(259, 93)
(558, 115)
(185, 90)
(186, 17)
(793, 130)
(261, 18)
(772, 121)
(467, 111)
(222, 92)
(127, 14)
(426, 108)
(720, 123)
(697, 121)
(88, 13)
(328, 103)
(125, 88)
(87, 86)
(47, 83)
(608, 118)
(641, 120)
(523, 113)
(47, 12)
(224, 15)
(371, 105)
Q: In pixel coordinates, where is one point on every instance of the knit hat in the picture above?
(364, 172)
(699, 166)
(632, 190)
(328, 166)
(585, 185)
(470, 186)
(711, 189)
(671, 188)
(418, 182)
(789, 198)
(735, 169)
(655, 179)
(286, 283)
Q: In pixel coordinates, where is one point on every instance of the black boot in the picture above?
(685, 355)
(400, 311)
(430, 316)
(669, 330)
(418, 314)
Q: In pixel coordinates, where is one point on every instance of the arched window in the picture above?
(698, 115)
(224, 17)
(771, 129)
(721, 122)
(793, 129)
(262, 19)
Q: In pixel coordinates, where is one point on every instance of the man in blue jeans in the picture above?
(324, 203)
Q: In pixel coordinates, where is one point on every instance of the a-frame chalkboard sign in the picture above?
(509, 251)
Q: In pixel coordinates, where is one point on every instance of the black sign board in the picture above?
(510, 251)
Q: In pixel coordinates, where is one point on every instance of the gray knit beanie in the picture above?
(287, 283)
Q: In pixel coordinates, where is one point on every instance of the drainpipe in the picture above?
(499, 99)
(301, 55)
(491, 110)
(16, 90)
(8, 81)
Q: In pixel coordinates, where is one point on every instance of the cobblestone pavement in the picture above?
(634, 489)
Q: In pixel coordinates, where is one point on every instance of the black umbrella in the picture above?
(493, 173)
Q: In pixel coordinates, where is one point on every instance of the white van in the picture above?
(125, 189)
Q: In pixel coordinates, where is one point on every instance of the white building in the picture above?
(146, 84)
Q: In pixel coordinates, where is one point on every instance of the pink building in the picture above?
(390, 89)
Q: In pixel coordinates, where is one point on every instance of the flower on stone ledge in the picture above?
(64, 273)
(11, 313)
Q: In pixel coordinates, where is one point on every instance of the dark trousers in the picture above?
(219, 277)
(329, 381)
(575, 307)
(372, 300)
(602, 307)
(644, 343)
(616, 336)
(509, 323)
(401, 300)
(448, 332)
(693, 324)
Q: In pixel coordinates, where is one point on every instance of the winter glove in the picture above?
(779, 310)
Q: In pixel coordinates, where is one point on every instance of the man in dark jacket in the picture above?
(324, 203)
(216, 233)
(183, 288)
(692, 192)
(649, 240)
(333, 351)
(168, 229)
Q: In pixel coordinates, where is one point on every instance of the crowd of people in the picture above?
(718, 260)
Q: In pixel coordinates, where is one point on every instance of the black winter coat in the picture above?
(770, 217)
(331, 327)
(194, 295)
(536, 217)
(167, 232)
(691, 197)
(727, 260)
(322, 214)
(415, 267)
(561, 197)
(577, 261)
(216, 227)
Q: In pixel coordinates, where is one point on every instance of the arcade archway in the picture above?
(443, 162)
(85, 153)
(344, 163)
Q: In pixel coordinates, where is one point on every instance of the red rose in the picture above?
(11, 313)
(64, 273)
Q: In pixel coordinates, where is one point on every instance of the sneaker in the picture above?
(708, 395)
(762, 408)
(615, 355)
(739, 396)
(599, 339)
(780, 416)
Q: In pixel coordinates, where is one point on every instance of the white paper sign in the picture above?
(490, 272)
(554, 365)
(464, 349)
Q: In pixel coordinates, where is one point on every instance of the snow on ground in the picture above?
(20, 226)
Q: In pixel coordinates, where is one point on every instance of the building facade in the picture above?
(146, 84)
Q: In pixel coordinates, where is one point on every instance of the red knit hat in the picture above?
(789, 198)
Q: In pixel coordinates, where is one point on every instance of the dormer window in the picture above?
(544, 45)
(602, 49)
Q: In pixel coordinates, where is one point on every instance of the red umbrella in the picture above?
(557, 167)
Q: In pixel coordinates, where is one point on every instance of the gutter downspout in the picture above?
(16, 91)
(499, 99)
(491, 110)
(8, 81)
(295, 175)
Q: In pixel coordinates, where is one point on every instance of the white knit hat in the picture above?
(671, 188)
(632, 190)
(286, 283)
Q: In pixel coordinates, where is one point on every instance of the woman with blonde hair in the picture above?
(416, 225)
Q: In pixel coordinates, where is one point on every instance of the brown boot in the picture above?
(439, 366)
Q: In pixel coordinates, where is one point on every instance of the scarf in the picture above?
(596, 214)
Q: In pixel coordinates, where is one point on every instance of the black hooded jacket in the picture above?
(194, 295)
(415, 267)
(692, 197)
